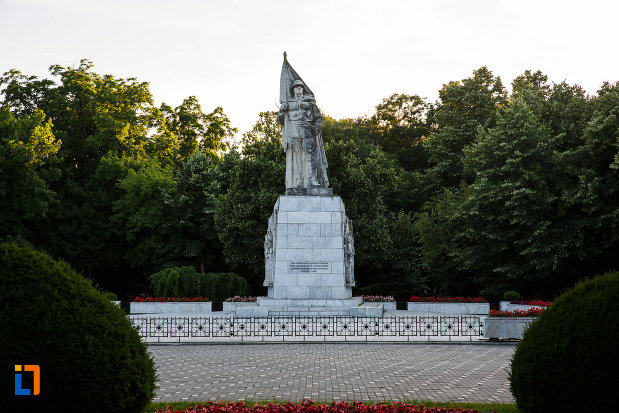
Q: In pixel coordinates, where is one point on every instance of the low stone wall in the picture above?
(506, 327)
(170, 308)
(449, 308)
(387, 305)
(232, 306)
(520, 307)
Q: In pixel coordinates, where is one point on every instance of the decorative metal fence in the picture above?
(302, 328)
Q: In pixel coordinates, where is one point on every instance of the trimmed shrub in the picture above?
(511, 295)
(186, 282)
(176, 282)
(110, 296)
(90, 357)
(568, 359)
(219, 286)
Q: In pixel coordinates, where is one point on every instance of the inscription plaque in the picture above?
(308, 267)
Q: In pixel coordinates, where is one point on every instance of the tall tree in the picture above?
(27, 145)
(463, 107)
(191, 202)
(399, 126)
(256, 179)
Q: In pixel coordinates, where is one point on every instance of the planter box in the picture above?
(506, 327)
(387, 305)
(232, 306)
(168, 308)
(521, 307)
(449, 308)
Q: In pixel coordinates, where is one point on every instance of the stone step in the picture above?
(310, 311)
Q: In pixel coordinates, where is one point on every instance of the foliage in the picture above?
(186, 129)
(170, 299)
(186, 282)
(310, 406)
(531, 312)
(190, 203)
(53, 317)
(176, 282)
(256, 179)
(478, 193)
(511, 295)
(568, 360)
(399, 127)
(480, 407)
(448, 299)
(239, 299)
(110, 296)
(220, 286)
(377, 298)
(26, 146)
(142, 216)
(463, 108)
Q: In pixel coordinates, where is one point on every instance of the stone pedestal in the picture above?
(309, 249)
(309, 259)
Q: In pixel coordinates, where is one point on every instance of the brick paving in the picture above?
(327, 372)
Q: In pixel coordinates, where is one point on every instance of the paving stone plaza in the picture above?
(331, 372)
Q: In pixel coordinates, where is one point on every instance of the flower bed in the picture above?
(309, 406)
(523, 305)
(448, 299)
(232, 303)
(170, 300)
(167, 305)
(510, 324)
(378, 298)
(239, 299)
(530, 312)
(537, 303)
(388, 301)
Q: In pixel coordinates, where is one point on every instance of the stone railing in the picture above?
(307, 329)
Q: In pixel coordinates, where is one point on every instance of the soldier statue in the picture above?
(306, 163)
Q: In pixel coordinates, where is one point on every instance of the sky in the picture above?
(351, 53)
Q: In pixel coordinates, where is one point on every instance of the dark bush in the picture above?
(176, 282)
(186, 282)
(219, 286)
(568, 359)
(110, 296)
(90, 357)
(511, 295)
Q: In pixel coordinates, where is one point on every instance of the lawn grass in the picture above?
(481, 407)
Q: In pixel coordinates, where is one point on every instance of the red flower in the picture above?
(170, 299)
(448, 299)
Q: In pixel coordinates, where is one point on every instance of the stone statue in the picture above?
(306, 163)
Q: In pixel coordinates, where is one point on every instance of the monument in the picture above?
(309, 248)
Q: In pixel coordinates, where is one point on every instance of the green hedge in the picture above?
(91, 359)
(568, 360)
(186, 282)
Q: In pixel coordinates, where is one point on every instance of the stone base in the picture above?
(309, 249)
(345, 302)
(319, 191)
(352, 307)
(170, 307)
(506, 327)
(448, 308)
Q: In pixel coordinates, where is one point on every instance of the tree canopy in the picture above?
(480, 192)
